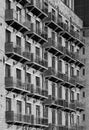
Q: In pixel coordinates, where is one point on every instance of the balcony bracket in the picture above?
(10, 24)
(9, 57)
(18, 1)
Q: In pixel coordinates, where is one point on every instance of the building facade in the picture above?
(40, 65)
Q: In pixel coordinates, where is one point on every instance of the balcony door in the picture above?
(37, 114)
(19, 110)
(53, 117)
(28, 109)
(8, 4)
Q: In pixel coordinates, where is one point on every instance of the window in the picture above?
(72, 28)
(53, 62)
(53, 37)
(38, 81)
(59, 40)
(18, 74)
(37, 52)
(18, 14)
(19, 107)
(53, 90)
(53, 14)
(78, 120)
(72, 96)
(72, 48)
(83, 94)
(37, 111)
(83, 71)
(59, 91)
(72, 71)
(46, 7)
(28, 17)
(77, 96)
(28, 109)
(28, 47)
(66, 94)
(18, 41)
(83, 51)
(66, 24)
(8, 4)
(59, 117)
(66, 69)
(66, 44)
(66, 119)
(46, 55)
(59, 19)
(59, 65)
(8, 36)
(45, 111)
(72, 119)
(28, 78)
(78, 73)
(7, 70)
(53, 116)
(37, 26)
(8, 104)
(83, 117)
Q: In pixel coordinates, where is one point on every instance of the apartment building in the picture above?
(82, 10)
(40, 65)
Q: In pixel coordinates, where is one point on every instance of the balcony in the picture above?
(15, 52)
(38, 93)
(80, 41)
(23, 2)
(80, 106)
(68, 34)
(54, 103)
(40, 122)
(53, 23)
(38, 63)
(37, 34)
(51, 75)
(16, 85)
(79, 61)
(68, 56)
(18, 22)
(53, 48)
(37, 8)
(19, 119)
(80, 82)
(70, 107)
(69, 81)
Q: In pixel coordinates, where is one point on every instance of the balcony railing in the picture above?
(17, 86)
(39, 93)
(54, 76)
(38, 63)
(80, 82)
(41, 122)
(54, 103)
(37, 34)
(17, 21)
(53, 47)
(80, 106)
(68, 56)
(79, 60)
(38, 8)
(70, 82)
(15, 118)
(16, 52)
(70, 107)
(53, 23)
(80, 41)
